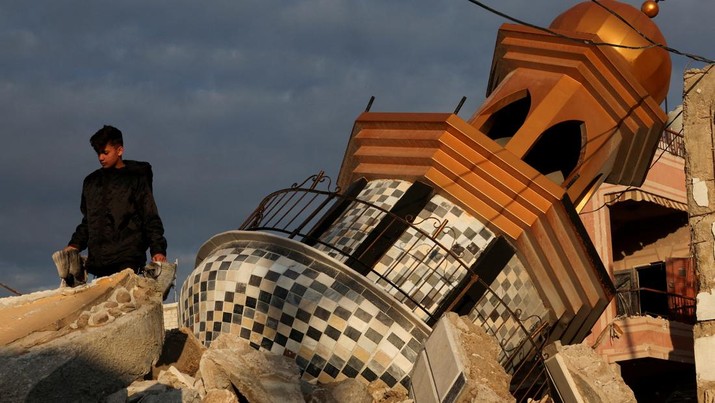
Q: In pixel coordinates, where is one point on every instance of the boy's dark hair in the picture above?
(106, 135)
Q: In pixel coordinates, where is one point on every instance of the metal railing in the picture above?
(297, 212)
(672, 142)
(648, 301)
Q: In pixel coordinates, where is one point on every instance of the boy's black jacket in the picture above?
(119, 217)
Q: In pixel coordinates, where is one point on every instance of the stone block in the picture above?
(446, 358)
(103, 344)
(182, 350)
(581, 375)
(459, 363)
(422, 387)
(705, 308)
(705, 358)
(231, 362)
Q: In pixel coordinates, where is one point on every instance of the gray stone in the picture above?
(347, 390)
(182, 350)
(176, 379)
(155, 392)
(230, 362)
(138, 388)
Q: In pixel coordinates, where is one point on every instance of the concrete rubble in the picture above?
(232, 371)
(581, 375)
(459, 363)
(486, 379)
(232, 363)
(181, 350)
(105, 342)
(79, 344)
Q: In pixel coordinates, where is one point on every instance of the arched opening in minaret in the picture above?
(557, 151)
(503, 124)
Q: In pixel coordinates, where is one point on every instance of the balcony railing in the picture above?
(672, 142)
(648, 301)
(300, 212)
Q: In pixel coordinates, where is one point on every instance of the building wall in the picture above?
(665, 183)
(699, 95)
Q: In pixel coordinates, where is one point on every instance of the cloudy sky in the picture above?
(230, 100)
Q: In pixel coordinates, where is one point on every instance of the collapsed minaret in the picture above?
(433, 213)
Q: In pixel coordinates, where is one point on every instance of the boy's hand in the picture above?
(159, 257)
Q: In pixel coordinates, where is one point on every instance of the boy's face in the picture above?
(111, 156)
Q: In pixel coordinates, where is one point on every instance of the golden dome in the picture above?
(650, 66)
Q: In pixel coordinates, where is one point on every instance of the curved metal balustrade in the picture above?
(297, 212)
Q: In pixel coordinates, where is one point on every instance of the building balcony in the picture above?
(656, 303)
(672, 142)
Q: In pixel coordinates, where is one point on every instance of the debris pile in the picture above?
(582, 375)
(230, 370)
(88, 343)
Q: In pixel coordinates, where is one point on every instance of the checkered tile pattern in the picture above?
(289, 299)
(422, 270)
(355, 224)
(515, 288)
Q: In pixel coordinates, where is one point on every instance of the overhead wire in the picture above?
(10, 289)
(666, 128)
(655, 161)
(652, 44)
(644, 36)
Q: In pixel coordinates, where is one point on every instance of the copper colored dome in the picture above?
(651, 66)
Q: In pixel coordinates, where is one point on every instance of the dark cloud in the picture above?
(228, 100)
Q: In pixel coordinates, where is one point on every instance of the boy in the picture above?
(120, 220)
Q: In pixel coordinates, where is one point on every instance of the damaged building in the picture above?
(431, 213)
(642, 234)
(555, 217)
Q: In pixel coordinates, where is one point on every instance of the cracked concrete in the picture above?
(699, 135)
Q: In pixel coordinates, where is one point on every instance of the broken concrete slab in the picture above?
(704, 347)
(176, 379)
(459, 363)
(230, 362)
(706, 303)
(581, 375)
(83, 343)
(153, 392)
(348, 390)
(182, 350)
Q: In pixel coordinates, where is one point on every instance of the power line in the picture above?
(653, 44)
(644, 36)
(666, 128)
(10, 289)
(655, 161)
